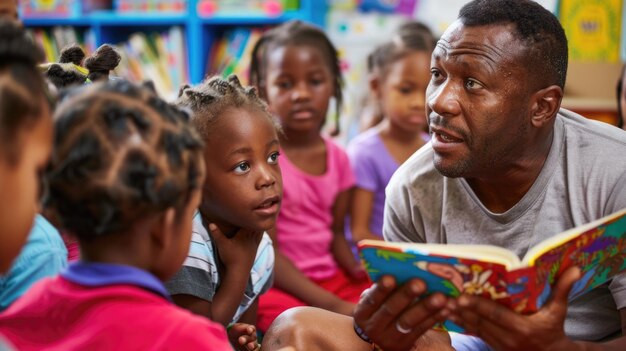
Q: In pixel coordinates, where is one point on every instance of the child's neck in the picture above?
(401, 136)
(299, 140)
(226, 229)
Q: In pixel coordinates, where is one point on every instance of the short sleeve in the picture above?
(363, 167)
(198, 276)
(192, 281)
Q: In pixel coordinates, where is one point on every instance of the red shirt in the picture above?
(105, 307)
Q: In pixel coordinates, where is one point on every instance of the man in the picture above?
(506, 166)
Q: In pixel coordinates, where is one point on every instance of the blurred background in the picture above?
(175, 41)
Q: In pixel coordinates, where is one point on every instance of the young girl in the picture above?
(125, 178)
(400, 88)
(297, 71)
(224, 274)
(25, 137)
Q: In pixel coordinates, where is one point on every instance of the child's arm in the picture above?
(237, 256)
(361, 208)
(340, 247)
(290, 279)
(243, 333)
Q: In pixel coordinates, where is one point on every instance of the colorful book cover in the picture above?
(598, 248)
(592, 28)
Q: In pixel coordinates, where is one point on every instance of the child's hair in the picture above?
(69, 72)
(121, 154)
(209, 100)
(21, 86)
(620, 82)
(296, 33)
(101, 62)
(410, 37)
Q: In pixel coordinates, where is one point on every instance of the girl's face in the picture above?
(20, 184)
(299, 87)
(243, 187)
(402, 91)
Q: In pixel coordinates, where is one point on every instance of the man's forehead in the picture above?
(493, 39)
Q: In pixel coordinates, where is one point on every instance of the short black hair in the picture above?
(536, 26)
(296, 33)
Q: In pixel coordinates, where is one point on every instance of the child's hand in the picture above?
(243, 337)
(238, 250)
(358, 272)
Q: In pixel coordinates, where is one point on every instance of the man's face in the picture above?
(478, 100)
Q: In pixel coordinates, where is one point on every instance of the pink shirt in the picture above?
(305, 218)
(57, 314)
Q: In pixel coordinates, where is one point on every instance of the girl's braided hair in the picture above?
(209, 100)
(296, 33)
(22, 88)
(120, 154)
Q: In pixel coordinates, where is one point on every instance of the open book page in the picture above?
(598, 248)
(450, 274)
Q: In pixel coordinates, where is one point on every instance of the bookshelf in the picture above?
(200, 32)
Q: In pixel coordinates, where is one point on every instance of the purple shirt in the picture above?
(373, 166)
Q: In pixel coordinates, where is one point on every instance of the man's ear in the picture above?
(546, 104)
(164, 230)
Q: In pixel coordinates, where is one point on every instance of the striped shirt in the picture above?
(199, 276)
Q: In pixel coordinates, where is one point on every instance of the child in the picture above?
(224, 274)
(621, 100)
(400, 89)
(124, 178)
(25, 137)
(297, 70)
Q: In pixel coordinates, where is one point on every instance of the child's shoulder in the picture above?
(364, 142)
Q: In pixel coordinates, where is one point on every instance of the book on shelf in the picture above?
(157, 56)
(598, 248)
(232, 53)
(56, 38)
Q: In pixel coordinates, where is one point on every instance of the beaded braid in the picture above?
(209, 100)
(120, 154)
(297, 33)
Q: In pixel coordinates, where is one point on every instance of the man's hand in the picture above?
(393, 319)
(504, 329)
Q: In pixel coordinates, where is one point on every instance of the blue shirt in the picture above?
(44, 255)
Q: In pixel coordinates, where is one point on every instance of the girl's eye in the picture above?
(242, 168)
(473, 84)
(273, 159)
(405, 90)
(284, 85)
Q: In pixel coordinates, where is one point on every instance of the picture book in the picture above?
(598, 248)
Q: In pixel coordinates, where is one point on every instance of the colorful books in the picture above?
(232, 53)
(598, 248)
(156, 56)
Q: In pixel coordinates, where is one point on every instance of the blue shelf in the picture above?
(49, 22)
(201, 32)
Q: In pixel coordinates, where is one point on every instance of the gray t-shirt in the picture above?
(583, 179)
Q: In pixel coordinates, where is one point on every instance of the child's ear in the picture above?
(374, 83)
(164, 230)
